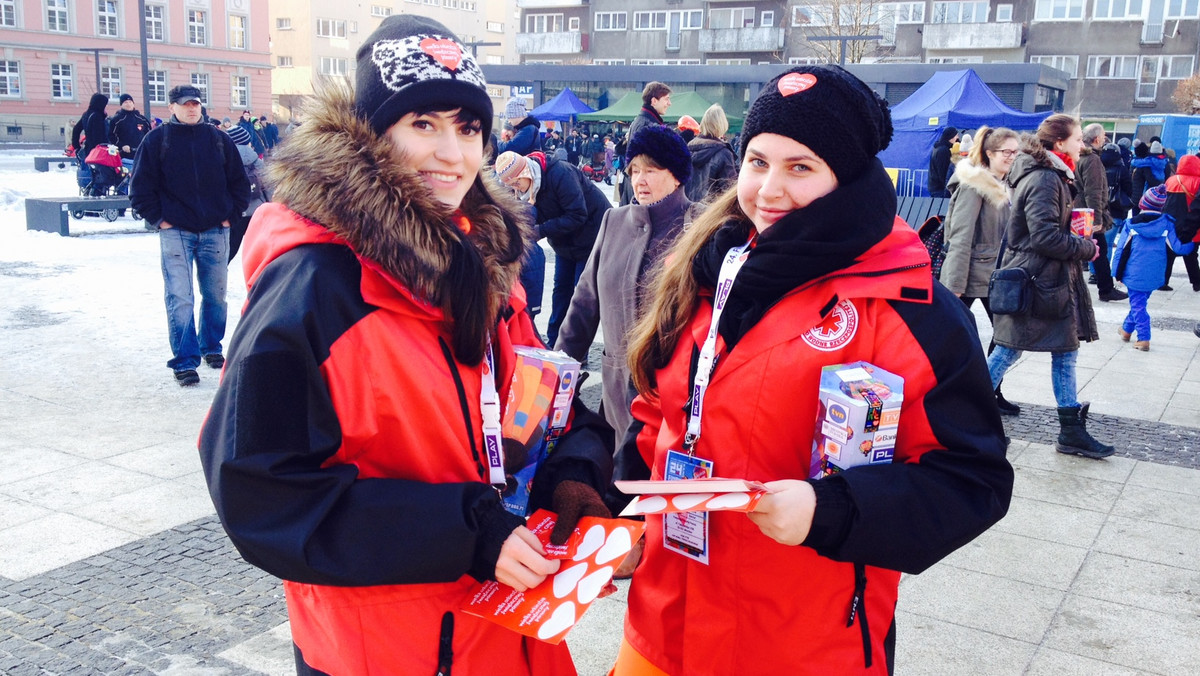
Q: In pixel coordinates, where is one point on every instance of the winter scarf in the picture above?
(826, 236)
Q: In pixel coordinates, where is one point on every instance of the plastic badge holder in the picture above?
(548, 611)
(858, 416)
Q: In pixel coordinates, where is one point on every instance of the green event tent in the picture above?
(682, 103)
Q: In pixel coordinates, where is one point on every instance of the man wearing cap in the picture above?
(188, 181)
(127, 128)
(656, 99)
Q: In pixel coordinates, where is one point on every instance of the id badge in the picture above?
(686, 533)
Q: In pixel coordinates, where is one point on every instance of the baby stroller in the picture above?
(102, 174)
(596, 171)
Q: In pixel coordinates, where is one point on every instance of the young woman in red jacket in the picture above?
(803, 265)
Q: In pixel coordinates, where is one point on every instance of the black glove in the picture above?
(572, 501)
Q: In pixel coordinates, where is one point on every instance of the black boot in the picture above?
(1006, 407)
(1073, 437)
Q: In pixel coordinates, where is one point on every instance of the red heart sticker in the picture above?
(794, 83)
(445, 52)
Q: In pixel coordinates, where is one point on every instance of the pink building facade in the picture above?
(47, 77)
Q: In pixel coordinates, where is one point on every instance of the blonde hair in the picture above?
(714, 123)
(987, 139)
(674, 293)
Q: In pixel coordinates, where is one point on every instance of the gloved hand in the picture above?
(573, 500)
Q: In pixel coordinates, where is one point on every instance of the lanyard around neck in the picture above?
(734, 260)
(489, 406)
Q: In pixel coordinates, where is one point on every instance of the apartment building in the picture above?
(54, 54)
(1123, 57)
(312, 39)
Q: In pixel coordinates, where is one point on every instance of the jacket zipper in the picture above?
(858, 610)
(466, 407)
(446, 645)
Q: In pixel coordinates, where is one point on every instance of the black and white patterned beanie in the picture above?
(827, 109)
(411, 63)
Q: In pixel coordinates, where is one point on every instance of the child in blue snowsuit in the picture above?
(1139, 259)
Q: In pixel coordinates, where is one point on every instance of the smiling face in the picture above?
(650, 183)
(1001, 159)
(778, 176)
(661, 104)
(445, 150)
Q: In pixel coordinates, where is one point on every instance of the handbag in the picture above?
(1010, 290)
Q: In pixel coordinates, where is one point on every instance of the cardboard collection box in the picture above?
(1083, 222)
(858, 415)
(539, 404)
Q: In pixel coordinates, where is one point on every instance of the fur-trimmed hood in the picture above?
(337, 172)
(970, 175)
(1033, 156)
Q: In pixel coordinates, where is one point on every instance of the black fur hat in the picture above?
(827, 109)
(410, 63)
(665, 147)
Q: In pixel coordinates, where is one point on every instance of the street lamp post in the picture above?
(96, 53)
(145, 60)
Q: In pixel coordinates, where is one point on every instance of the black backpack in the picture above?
(932, 233)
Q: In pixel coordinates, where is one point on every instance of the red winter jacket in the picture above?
(761, 606)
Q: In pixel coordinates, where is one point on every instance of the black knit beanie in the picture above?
(661, 144)
(827, 109)
(412, 63)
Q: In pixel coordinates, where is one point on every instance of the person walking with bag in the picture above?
(1182, 188)
(1091, 183)
(975, 220)
(1039, 241)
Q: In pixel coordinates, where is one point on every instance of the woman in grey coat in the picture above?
(1041, 242)
(979, 210)
(632, 239)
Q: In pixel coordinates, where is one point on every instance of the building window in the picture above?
(727, 62)
(237, 32)
(1117, 9)
(62, 82)
(331, 28)
(200, 81)
(1058, 10)
(197, 27)
(573, 24)
(608, 62)
(377, 10)
(10, 78)
(1112, 67)
(155, 23)
(283, 23)
(610, 21)
(734, 17)
(8, 13)
(1177, 67)
(158, 86)
(1004, 13)
(332, 66)
(495, 26)
(284, 62)
(1068, 63)
(543, 23)
(239, 93)
(649, 21)
(664, 62)
(805, 60)
(106, 18)
(110, 81)
(690, 19)
(57, 19)
(767, 19)
(960, 12)
(1183, 9)
(810, 15)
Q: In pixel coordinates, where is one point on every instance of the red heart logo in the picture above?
(794, 83)
(445, 52)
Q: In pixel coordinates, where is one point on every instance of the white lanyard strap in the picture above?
(708, 353)
(489, 405)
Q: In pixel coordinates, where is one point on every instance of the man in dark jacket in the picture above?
(1091, 181)
(93, 125)
(525, 129)
(939, 163)
(656, 99)
(247, 123)
(568, 210)
(270, 131)
(575, 145)
(188, 181)
(127, 128)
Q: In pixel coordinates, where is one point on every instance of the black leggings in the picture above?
(987, 307)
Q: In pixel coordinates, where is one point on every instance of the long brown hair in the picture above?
(674, 293)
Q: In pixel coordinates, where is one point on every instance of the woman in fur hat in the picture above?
(975, 220)
(804, 266)
(345, 450)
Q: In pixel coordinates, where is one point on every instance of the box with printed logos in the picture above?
(858, 415)
(535, 416)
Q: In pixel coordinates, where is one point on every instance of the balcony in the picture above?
(761, 39)
(971, 36)
(543, 4)
(550, 43)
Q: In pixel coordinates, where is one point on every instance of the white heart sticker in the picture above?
(687, 501)
(618, 545)
(560, 620)
(649, 504)
(565, 581)
(590, 586)
(591, 542)
(729, 501)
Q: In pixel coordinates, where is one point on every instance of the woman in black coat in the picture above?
(93, 124)
(714, 167)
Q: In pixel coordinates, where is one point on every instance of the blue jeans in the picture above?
(566, 275)
(1062, 372)
(1138, 318)
(209, 252)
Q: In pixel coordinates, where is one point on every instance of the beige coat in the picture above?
(979, 209)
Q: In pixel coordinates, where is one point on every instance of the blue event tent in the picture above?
(956, 98)
(561, 108)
